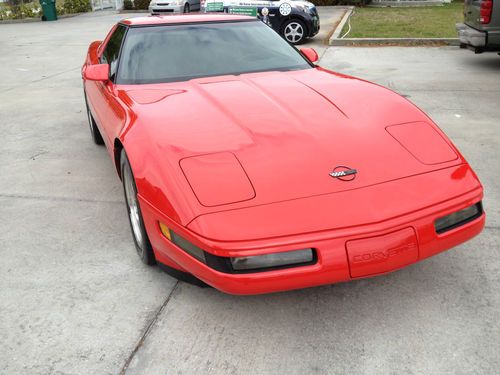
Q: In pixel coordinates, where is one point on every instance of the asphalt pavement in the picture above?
(75, 299)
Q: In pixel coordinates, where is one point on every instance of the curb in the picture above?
(394, 41)
(341, 24)
(406, 3)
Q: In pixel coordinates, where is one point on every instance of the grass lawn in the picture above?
(416, 22)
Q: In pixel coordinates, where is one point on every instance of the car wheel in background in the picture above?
(294, 31)
(94, 130)
(141, 240)
(186, 8)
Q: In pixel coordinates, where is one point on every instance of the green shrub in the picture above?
(60, 10)
(128, 5)
(14, 3)
(30, 10)
(6, 13)
(141, 4)
(17, 10)
(77, 6)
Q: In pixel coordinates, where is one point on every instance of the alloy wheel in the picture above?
(133, 208)
(294, 32)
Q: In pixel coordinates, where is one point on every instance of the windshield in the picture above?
(171, 53)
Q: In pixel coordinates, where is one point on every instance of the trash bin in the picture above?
(49, 10)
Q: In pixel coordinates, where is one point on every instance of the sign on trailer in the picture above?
(244, 11)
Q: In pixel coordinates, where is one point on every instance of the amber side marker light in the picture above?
(165, 231)
(458, 218)
(184, 244)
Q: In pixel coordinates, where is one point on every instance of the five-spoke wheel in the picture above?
(142, 244)
(294, 31)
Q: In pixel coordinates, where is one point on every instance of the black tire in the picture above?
(294, 31)
(187, 9)
(94, 130)
(141, 240)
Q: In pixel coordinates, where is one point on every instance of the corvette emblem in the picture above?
(343, 173)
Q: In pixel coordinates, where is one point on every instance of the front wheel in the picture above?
(186, 8)
(294, 31)
(141, 240)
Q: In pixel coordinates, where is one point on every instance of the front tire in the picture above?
(141, 240)
(294, 31)
(187, 9)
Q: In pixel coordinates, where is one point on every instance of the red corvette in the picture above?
(247, 167)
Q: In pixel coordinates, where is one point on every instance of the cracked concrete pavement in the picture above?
(75, 299)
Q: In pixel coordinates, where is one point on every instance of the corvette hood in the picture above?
(277, 137)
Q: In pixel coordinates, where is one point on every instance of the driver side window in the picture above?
(112, 51)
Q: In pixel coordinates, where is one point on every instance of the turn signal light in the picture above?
(165, 231)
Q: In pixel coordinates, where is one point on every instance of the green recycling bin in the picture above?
(49, 10)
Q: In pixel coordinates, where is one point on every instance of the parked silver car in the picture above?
(173, 6)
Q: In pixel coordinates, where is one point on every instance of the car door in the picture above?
(107, 109)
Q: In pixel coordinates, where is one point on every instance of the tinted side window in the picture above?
(112, 51)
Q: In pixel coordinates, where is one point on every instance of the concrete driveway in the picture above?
(330, 17)
(74, 298)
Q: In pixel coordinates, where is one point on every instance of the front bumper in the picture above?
(160, 9)
(310, 18)
(315, 26)
(314, 23)
(344, 253)
(470, 36)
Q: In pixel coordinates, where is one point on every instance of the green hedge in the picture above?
(15, 10)
(128, 5)
(76, 6)
(141, 4)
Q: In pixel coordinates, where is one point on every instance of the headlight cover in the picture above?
(422, 141)
(217, 179)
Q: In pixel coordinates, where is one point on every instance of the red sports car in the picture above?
(248, 168)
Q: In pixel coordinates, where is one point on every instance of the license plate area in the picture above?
(380, 254)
